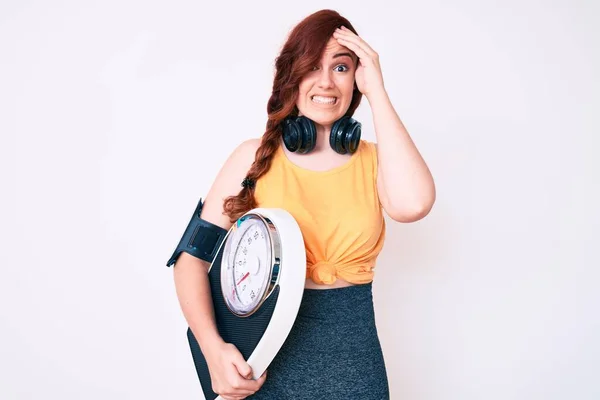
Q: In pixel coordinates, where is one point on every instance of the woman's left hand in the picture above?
(369, 78)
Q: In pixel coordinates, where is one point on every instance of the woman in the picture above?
(337, 194)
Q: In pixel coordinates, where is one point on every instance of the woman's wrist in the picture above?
(210, 341)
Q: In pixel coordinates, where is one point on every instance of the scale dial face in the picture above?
(248, 267)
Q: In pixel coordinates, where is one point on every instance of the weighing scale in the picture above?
(257, 280)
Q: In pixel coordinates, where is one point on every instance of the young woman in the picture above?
(311, 162)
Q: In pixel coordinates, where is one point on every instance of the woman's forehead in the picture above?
(334, 49)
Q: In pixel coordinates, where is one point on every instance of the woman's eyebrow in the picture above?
(342, 55)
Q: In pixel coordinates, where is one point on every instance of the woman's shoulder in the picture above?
(369, 146)
(236, 166)
(369, 143)
(249, 145)
(228, 180)
(245, 152)
(370, 153)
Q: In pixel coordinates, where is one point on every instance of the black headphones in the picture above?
(300, 135)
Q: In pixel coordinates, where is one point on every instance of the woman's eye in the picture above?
(341, 66)
(315, 68)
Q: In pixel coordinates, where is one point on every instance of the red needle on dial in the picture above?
(243, 277)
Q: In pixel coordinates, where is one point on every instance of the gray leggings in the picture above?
(333, 351)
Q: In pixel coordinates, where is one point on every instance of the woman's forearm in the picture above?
(193, 292)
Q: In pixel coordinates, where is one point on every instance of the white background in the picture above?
(115, 117)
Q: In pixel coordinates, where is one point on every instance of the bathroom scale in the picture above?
(257, 280)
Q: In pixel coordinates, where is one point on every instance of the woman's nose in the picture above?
(325, 80)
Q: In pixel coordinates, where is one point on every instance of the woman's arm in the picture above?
(230, 373)
(193, 293)
(191, 273)
(404, 182)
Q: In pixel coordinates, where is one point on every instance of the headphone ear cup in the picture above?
(309, 134)
(291, 134)
(345, 135)
(299, 134)
(352, 135)
(336, 138)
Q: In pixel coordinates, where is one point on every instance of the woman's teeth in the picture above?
(324, 100)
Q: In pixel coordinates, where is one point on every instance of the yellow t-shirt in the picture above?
(338, 211)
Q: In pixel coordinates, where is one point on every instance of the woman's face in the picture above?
(326, 92)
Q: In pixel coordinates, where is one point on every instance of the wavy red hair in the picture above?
(302, 50)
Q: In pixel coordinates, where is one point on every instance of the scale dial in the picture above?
(250, 264)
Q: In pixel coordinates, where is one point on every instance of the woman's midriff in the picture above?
(339, 283)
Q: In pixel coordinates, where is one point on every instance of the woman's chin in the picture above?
(324, 119)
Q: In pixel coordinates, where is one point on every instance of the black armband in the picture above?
(201, 238)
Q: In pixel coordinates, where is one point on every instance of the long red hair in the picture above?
(302, 50)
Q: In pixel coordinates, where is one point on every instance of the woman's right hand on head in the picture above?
(230, 374)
